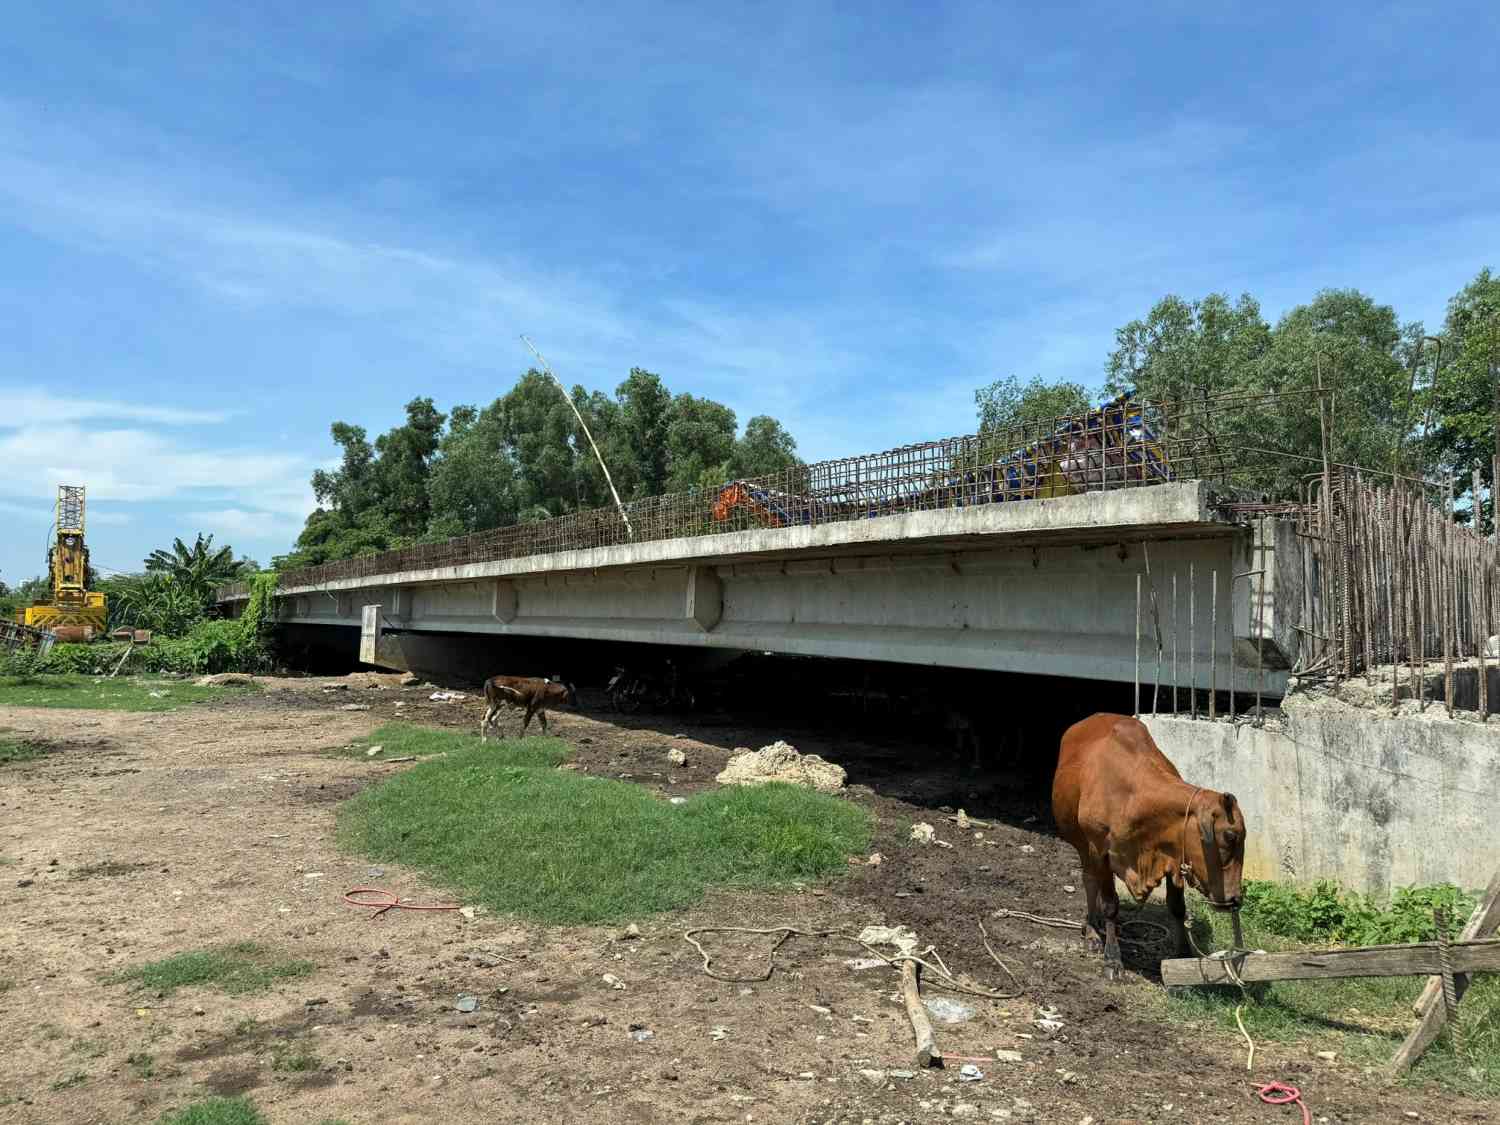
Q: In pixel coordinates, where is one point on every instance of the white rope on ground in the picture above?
(1229, 957)
(935, 967)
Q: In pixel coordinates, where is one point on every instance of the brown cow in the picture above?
(535, 695)
(1127, 810)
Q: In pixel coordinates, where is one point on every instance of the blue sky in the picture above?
(224, 226)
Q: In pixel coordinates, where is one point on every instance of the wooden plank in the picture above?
(1370, 961)
(1486, 917)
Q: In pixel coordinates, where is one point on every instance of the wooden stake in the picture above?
(1486, 917)
(927, 1051)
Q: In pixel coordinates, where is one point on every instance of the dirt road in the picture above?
(146, 835)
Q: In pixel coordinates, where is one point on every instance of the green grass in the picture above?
(143, 1063)
(128, 693)
(294, 1058)
(14, 750)
(215, 1111)
(239, 968)
(77, 1078)
(511, 832)
(1363, 1019)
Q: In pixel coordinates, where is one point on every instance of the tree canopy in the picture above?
(1007, 404)
(524, 457)
(1393, 405)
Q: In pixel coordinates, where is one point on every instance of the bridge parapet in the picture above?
(1122, 445)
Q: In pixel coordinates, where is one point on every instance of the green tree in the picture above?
(329, 535)
(645, 409)
(351, 487)
(1183, 349)
(472, 483)
(198, 568)
(1462, 404)
(157, 600)
(1007, 404)
(1360, 351)
(766, 447)
(1272, 440)
(604, 417)
(523, 458)
(537, 427)
(402, 459)
(700, 441)
(377, 497)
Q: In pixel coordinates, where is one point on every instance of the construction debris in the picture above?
(781, 762)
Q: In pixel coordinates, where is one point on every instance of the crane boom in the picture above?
(74, 612)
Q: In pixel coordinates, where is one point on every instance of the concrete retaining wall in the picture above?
(1333, 791)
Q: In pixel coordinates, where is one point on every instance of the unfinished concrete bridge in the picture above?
(964, 553)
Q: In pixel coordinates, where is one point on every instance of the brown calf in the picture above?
(527, 692)
(1128, 812)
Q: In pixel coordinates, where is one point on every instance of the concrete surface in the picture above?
(1336, 791)
(1179, 506)
(1045, 587)
(1064, 610)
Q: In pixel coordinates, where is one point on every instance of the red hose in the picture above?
(394, 903)
(1287, 1095)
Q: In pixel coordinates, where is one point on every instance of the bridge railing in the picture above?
(1126, 443)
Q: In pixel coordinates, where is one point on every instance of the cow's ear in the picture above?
(1229, 804)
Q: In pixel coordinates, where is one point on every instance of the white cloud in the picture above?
(138, 465)
(455, 305)
(109, 519)
(39, 407)
(241, 523)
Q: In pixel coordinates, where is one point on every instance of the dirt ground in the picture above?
(146, 835)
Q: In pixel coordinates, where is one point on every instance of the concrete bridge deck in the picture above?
(1044, 586)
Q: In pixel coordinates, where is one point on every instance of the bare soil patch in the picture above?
(149, 834)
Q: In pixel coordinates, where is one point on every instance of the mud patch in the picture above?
(112, 869)
(226, 1083)
(319, 1081)
(328, 792)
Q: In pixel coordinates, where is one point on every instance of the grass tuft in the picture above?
(1363, 1019)
(215, 1111)
(128, 693)
(521, 837)
(294, 1058)
(16, 750)
(242, 967)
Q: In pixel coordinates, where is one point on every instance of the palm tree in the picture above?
(198, 568)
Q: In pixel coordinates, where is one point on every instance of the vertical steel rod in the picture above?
(1213, 647)
(1260, 628)
(1174, 640)
(1192, 639)
(1231, 646)
(1137, 645)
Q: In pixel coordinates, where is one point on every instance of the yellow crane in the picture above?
(75, 613)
